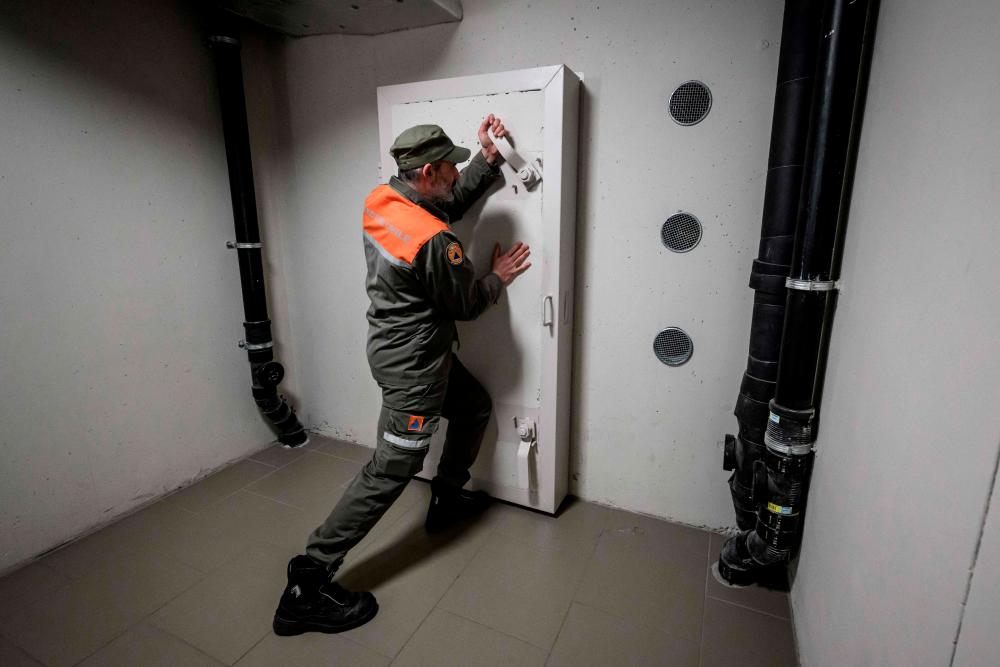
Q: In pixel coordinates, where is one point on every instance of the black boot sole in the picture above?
(288, 628)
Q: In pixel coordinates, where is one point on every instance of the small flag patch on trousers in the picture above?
(415, 424)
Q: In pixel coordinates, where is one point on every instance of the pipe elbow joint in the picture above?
(729, 453)
(269, 374)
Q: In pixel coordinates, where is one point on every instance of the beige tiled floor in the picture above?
(194, 579)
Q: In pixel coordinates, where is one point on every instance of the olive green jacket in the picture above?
(416, 300)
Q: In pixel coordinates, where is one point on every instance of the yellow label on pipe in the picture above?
(778, 509)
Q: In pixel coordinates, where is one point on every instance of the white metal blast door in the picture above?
(519, 349)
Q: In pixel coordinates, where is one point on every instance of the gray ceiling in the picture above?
(298, 18)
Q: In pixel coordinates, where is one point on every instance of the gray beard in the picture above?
(441, 202)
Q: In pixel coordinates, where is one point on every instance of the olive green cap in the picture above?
(423, 144)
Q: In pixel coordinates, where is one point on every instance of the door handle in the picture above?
(548, 312)
(530, 173)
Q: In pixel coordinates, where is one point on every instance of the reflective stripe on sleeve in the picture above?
(382, 251)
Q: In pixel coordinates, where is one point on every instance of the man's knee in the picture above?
(395, 461)
(485, 408)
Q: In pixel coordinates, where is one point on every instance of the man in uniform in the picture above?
(419, 283)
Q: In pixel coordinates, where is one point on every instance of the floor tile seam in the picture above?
(150, 616)
(637, 620)
(135, 625)
(409, 639)
(339, 458)
(93, 531)
(708, 551)
(339, 486)
(554, 545)
(673, 548)
(142, 619)
(273, 500)
(704, 604)
(529, 642)
(576, 592)
(383, 531)
(194, 528)
(640, 624)
(681, 568)
(160, 551)
(360, 467)
(218, 472)
(655, 519)
(256, 460)
(97, 568)
(274, 471)
(377, 651)
(25, 653)
(225, 561)
(218, 501)
(9, 614)
(458, 575)
(23, 649)
(465, 566)
(246, 652)
(186, 643)
(484, 625)
(406, 510)
(747, 608)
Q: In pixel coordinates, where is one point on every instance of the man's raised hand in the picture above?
(509, 265)
(490, 151)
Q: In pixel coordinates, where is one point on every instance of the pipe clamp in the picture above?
(243, 246)
(788, 450)
(255, 346)
(811, 285)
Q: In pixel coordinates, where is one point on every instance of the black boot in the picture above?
(450, 506)
(312, 602)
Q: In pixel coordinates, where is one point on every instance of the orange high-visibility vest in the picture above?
(396, 226)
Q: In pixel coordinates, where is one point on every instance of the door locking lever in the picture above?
(526, 433)
(530, 173)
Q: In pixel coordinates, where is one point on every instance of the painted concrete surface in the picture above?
(646, 437)
(910, 425)
(977, 643)
(121, 305)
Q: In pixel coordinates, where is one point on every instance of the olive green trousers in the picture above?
(408, 419)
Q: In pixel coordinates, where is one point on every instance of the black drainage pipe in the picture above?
(789, 128)
(781, 483)
(265, 372)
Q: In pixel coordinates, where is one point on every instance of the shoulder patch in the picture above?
(454, 253)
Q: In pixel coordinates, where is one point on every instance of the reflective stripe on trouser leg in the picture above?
(398, 456)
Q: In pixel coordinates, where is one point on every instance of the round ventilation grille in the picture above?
(681, 232)
(673, 346)
(690, 103)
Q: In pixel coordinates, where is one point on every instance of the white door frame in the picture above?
(560, 88)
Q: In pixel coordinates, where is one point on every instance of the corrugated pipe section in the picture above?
(789, 128)
(780, 479)
(265, 372)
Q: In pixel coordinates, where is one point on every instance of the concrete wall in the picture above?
(977, 641)
(121, 306)
(646, 437)
(910, 429)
